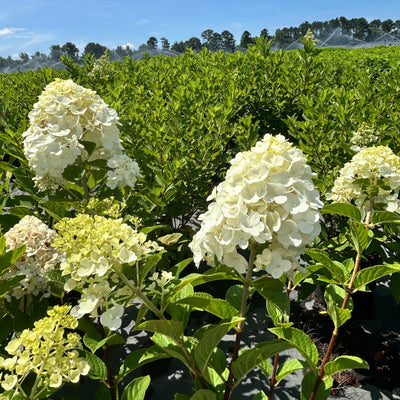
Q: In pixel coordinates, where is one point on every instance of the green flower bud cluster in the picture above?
(96, 249)
(48, 351)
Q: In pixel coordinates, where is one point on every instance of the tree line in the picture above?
(358, 28)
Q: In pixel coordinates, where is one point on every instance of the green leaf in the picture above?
(338, 315)
(338, 270)
(272, 290)
(170, 347)
(98, 369)
(334, 296)
(170, 239)
(142, 312)
(234, 295)
(342, 363)
(260, 396)
(307, 386)
(371, 274)
(180, 396)
(169, 328)
(10, 257)
(249, 359)
(138, 358)
(103, 393)
(210, 340)
(55, 275)
(89, 146)
(209, 276)
(287, 368)
(360, 235)
(278, 318)
(180, 312)
(136, 390)
(265, 367)
(301, 342)
(218, 361)
(385, 217)
(395, 286)
(219, 307)
(8, 284)
(94, 344)
(57, 210)
(151, 262)
(204, 394)
(344, 209)
(2, 246)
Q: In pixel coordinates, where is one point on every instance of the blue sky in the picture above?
(35, 25)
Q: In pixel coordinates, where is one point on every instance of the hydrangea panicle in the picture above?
(267, 197)
(66, 116)
(47, 350)
(380, 167)
(40, 256)
(96, 250)
(363, 137)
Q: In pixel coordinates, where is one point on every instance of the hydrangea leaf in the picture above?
(98, 369)
(371, 274)
(219, 307)
(301, 342)
(250, 358)
(169, 328)
(360, 235)
(342, 363)
(138, 358)
(204, 394)
(336, 268)
(287, 368)
(136, 390)
(307, 386)
(210, 340)
(344, 209)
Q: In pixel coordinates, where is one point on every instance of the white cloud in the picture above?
(142, 22)
(11, 32)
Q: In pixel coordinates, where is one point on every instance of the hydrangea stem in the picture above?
(289, 288)
(111, 384)
(149, 304)
(239, 329)
(344, 305)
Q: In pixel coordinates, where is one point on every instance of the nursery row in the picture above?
(197, 185)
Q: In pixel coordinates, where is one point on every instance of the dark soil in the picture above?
(366, 335)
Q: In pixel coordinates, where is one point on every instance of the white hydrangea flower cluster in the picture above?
(65, 116)
(363, 137)
(40, 256)
(48, 351)
(96, 248)
(268, 197)
(378, 165)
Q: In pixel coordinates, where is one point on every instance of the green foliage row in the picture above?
(184, 118)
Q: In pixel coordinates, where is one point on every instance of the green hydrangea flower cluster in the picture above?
(47, 351)
(96, 248)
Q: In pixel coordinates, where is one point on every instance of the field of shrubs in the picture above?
(145, 184)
